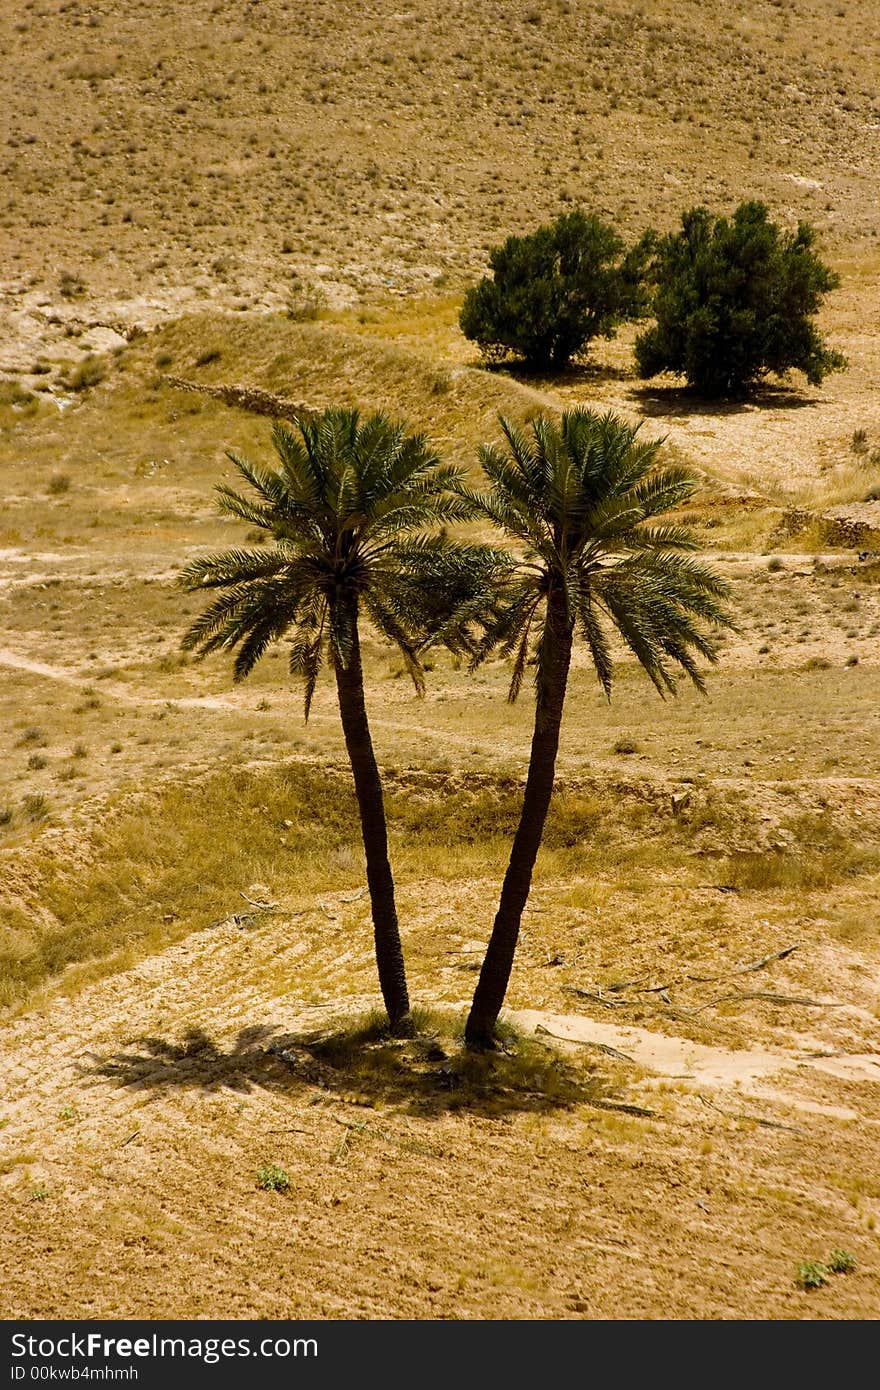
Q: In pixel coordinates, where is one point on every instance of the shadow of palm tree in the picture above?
(196, 1062)
(422, 1076)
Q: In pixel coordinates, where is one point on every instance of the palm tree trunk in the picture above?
(498, 962)
(368, 790)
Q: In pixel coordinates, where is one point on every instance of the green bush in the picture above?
(810, 1274)
(553, 291)
(841, 1262)
(271, 1178)
(735, 300)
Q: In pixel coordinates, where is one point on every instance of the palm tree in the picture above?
(348, 506)
(579, 500)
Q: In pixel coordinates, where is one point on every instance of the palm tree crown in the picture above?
(347, 506)
(581, 500)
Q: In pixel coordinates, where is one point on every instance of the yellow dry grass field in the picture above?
(293, 198)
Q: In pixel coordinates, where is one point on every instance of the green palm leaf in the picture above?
(355, 506)
(580, 498)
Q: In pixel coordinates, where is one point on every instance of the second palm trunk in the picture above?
(498, 963)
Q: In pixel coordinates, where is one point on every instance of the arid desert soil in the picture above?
(293, 198)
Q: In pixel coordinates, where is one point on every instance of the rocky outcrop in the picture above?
(253, 399)
(854, 526)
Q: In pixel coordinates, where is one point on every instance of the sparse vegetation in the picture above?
(271, 1178)
(36, 806)
(305, 302)
(841, 1262)
(813, 1274)
(810, 1274)
(626, 746)
(12, 393)
(90, 372)
(151, 858)
(859, 441)
(71, 285)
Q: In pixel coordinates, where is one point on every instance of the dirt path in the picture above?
(15, 661)
(715, 1068)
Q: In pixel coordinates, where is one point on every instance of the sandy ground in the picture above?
(699, 1104)
(137, 1114)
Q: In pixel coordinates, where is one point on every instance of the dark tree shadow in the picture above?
(677, 401)
(195, 1063)
(585, 373)
(424, 1076)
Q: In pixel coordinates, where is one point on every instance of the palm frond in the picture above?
(522, 654)
(304, 481)
(341, 632)
(672, 536)
(232, 567)
(254, 641)
(663, 489)
(581, 498)
(686, 582)
(595, 638)
(410, 514)
(514, 519)
(306, 654)
(255, 513)
(502, 627)
(390, 627)
(267, 482)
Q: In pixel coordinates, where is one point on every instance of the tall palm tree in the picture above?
(349, 506)
(580, 501)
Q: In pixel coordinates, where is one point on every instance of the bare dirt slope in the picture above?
(201, 154)
(292, 199)
(142, 1110)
